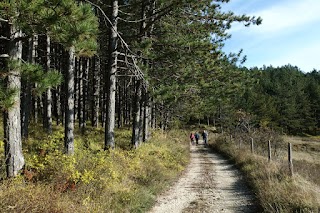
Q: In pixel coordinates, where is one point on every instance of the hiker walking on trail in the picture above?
(192, 138)
(205, 137)
(197, 136)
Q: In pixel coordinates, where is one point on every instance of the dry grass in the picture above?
(19, 196)
(310, 171)
(306, 157)
(275, 189)
(94, 180)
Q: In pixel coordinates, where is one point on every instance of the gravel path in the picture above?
(209, 184)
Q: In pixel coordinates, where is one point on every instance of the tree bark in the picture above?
(139, 105)
(69, 107)
(34, 97)
(77, 90)
(96, 95)
(147, 117)
(153, 115)
(80, 91)
(12, 123)
(85, 95)
(127, 106)
(111, 79)
(27, 96)
(119, 104)
(48, 99)
(57, 92)
(141, 114)
(136, 115)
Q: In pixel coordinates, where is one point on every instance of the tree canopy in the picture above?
(143, 63)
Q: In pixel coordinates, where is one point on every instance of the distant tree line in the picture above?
(285, 99)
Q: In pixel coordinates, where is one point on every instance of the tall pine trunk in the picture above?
(138, 105)
(12, 123)
(119, 104)
(85, 95)
(80, 91)
(27, 96)
(96, 90)
(154, 115)
(141, 113)
(147, 117)
(127, 106)
(48, 99)
(57, 93)
(111, 79)
(34, 98)
(69, 107)
(136, 115)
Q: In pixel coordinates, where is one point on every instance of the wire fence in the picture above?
(294, 157)
(270, 146)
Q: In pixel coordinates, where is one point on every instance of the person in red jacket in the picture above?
(192, 138)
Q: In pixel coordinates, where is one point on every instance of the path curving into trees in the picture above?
(209, 184)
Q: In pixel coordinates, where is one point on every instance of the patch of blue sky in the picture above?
(289, 33)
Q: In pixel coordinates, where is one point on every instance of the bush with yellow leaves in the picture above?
(119, 180)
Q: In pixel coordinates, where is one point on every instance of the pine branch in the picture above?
(136, 69)
(4, 20)
(155, 16)
(4, 56)
(128, 14)
(4, 38)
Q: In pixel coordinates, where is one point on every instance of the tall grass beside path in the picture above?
(276, 190)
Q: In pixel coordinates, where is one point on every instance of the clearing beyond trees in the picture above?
(209, 184)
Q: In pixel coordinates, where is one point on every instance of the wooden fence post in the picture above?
(290, 159)
(269, 151)
(252, 148)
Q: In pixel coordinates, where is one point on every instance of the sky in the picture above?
(289, 33)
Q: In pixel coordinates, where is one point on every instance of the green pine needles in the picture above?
(67, 22)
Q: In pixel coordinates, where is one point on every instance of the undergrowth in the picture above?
(276, 190)
(93, 180)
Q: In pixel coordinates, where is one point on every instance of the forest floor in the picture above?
(209, 184)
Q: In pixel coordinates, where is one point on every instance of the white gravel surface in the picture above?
(209, 184)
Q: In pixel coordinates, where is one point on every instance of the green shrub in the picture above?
(119, 180)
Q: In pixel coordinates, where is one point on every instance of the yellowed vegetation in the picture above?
(93, 180)
(276, 190)
(305, 148)
(306, 157)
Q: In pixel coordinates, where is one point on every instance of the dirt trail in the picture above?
(209, 184)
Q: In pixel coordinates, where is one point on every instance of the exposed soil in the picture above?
(209, 184)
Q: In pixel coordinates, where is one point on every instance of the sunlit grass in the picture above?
(276, 190)
(93, 180)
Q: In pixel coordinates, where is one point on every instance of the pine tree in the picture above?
(77, 33)
(36, 17)
(111, 78)
(186, 51)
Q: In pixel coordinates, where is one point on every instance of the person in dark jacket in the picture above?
(205, 137)
(197, 137)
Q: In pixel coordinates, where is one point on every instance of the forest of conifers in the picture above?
(140, 64)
